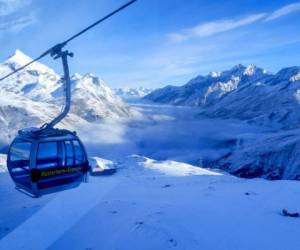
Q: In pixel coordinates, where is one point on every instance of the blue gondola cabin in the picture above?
(45, 163)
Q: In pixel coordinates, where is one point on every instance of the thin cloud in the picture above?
(215, 27)
(219, 26)
(283, 11)
(15, 15)
(17, 23)
(8, 7)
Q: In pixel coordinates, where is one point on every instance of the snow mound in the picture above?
(169, 168)
(100, 164)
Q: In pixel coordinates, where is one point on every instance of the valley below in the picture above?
(166, 132)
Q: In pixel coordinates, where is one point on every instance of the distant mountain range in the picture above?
(257, 96)
(34, 96)
(247, 93)
(132, 94)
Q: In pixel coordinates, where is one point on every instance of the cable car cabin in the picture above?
(45, 162)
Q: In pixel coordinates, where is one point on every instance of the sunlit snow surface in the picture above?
(152, 204)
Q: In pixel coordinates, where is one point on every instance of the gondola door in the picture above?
(19, 163)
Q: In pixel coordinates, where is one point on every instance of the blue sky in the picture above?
(156, 42)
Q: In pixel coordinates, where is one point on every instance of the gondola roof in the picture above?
(38, 134)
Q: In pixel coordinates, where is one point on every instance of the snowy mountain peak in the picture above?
(89, 75)
(237, 70)
(18, 57)
(242, 70)
(132, 94)
(215, 74)
(291, 73)
(239, 67)
(295, 77)
(76, 76)
(250, 70)
(92, 79)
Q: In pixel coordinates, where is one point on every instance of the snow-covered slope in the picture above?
(153, 204)
(93, 100)
(36, 82)
(273, 101)
(34, 96)
(132, 94)
(18, 112)
(273, 156)
(267, 100)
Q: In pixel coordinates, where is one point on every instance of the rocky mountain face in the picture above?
(256, 96)
(206, 90)
(273, 156)
(269, 100)
(93, 100)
